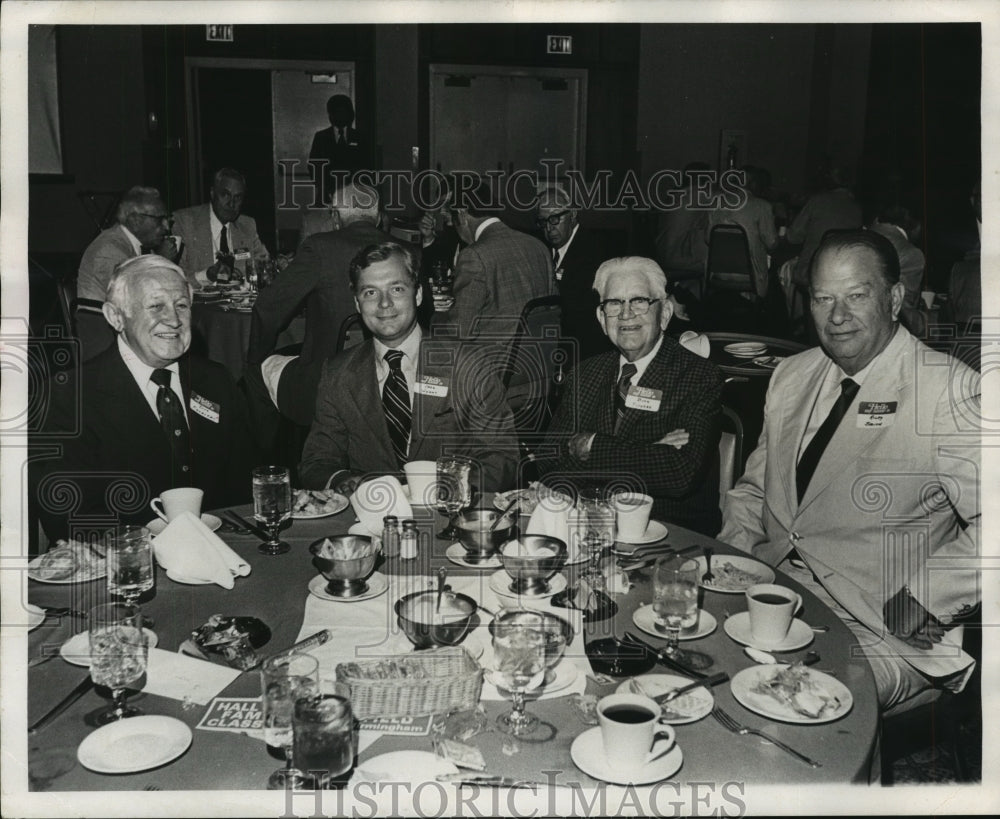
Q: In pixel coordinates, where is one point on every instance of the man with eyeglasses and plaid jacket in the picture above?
(646, 416)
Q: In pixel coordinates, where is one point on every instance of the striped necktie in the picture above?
(621, 392)
(814, 451)
(174, 426)
(396, 404)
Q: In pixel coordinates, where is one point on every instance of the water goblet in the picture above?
(323, 729)
(284, 679)
(519, 657)
(597, 530)
(675, 601)
(118, 652)
(130, 562)
(454, 489)
(272, 505)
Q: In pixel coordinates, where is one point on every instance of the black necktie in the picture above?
(224, 241)
(621, 392)
(814, 451)
(174, 425)
(396, 404)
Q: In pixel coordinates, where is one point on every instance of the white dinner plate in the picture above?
(654, 531)
(134, 744)
(157, 525)
(744, 683)
(645, 619)
(36, 615)
(95, 573)
(456, 554)
(588, 755)
(377, 584)
(731, 579)
(799, 634)
(563, 676)
(412, 767)
(746, 349)
(500, 583)
(768, 361)
(692, 706)
(76, 650)
(340, 503)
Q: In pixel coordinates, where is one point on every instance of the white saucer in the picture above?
(654, 531)
(76, 650)
(134, 744)
(587, 752)
(36, 615)
(412, 767)
(645, 619)
(188, 581)
(456, 554)
(500, 583)
(377, 584)
(563, 676)
(157, 525)
(799, 634)
(696, 704)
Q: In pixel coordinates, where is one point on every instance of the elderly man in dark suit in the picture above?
(497, 273)
(316, 279)
(398, 396)
(646, 415)
(144, 416)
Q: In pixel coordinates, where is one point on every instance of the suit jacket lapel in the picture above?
(426, 407)
(368, 399)
(797, 404)
(604, 398)
(126, 400)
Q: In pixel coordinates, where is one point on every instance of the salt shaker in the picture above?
(408, 540)
(390, 536)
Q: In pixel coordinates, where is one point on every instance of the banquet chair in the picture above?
(729, 266)
(730, 451)
(352, 331)
(66, 289)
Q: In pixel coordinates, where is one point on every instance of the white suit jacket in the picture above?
(194, 225)
(894, 499)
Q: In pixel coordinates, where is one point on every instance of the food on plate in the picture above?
(796, 688)
(728, 576)
(316, 502)
(70, 559)
(529, 498)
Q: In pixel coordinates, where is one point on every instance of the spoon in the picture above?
(503, 515)
(442, 574)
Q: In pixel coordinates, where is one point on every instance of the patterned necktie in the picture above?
(396, 404)
(224, 240)
(814, 451)
(174, 424)
(621, 392)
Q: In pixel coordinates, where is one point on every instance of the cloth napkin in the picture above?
(189, 549)
(368, 629)
(696, 343)
(555, 516)
(374, 499)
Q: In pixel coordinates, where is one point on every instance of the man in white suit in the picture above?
(217, 227)
(869, 494)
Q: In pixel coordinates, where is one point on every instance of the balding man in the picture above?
(318, 280)
(646, 415)
(144, 415)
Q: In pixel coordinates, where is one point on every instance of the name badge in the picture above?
(204, 408)
(431, 385)
(876, 414)
(643, 398)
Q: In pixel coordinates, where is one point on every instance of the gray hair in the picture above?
(652, 272)
(125, 272)
(356, 202)
(134, 198)
(228, 173)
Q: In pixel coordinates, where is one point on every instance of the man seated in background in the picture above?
(864, 486)
(317, 279)
(142, 227)
(399, 397)
(646, 415)
(901, 228)
(217, 229)
(144, 415)
(576, 254)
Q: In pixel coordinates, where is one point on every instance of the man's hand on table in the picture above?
(909, 621)
(579, 445)
(676, 438)
(345, 482)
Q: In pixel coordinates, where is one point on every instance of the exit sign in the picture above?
(219, 34)
(559, 44)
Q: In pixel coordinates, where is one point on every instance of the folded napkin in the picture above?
(187, 548)
(555, 516)
(375, 499)
(696, 343)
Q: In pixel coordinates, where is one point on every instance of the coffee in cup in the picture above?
(176, 501)
(771, 609)
(631, 730)
(633, 509)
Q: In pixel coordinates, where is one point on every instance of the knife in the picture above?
(715, 679)
(664, 659)
(82, 687)
(261, 533)
(491, 780)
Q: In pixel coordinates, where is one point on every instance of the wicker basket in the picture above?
(437, 681)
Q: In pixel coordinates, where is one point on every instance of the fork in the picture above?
(731, 724)
(708, 577)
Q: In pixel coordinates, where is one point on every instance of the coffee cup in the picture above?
(421, 479)
(771, 608)
(633, 510)
(631, 730)
(176, 501)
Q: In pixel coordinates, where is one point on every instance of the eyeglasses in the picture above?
(552, 220)
(639, 306)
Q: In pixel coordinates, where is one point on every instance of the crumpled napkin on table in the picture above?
(378, 497)
(696, 343)
(188, 548)
(556, 517)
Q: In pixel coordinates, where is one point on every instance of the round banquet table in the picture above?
(276, 592)
(733, 366)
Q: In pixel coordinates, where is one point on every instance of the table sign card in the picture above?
(242, 715)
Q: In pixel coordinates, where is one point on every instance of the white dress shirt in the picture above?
(640, 363)
(561, 251)
(142, 373)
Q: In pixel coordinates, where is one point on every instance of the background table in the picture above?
(275, 591)
(733, 366)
